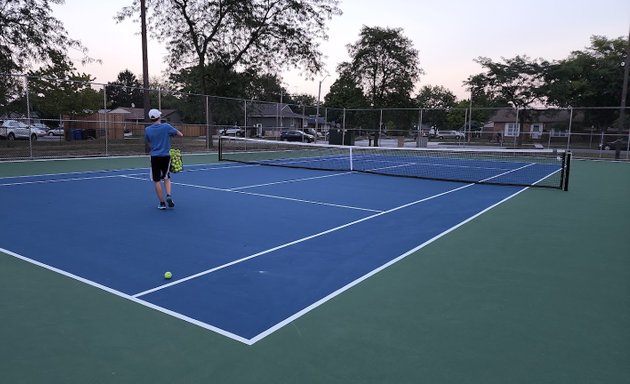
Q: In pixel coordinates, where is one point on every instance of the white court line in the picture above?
(128, 297)
(289, 319)
(420, 163)
(203, 273)
(58, 180)
(339, 291)
(295, 316)
(290, 181)
(510, 171)
(391, 166)
(264, 195)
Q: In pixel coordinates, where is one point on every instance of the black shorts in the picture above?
(159, 167)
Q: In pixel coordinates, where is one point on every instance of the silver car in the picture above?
(13, 129)
(450, 135)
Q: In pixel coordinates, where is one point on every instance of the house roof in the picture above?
(321, 120)
(272, 110)
(138, 113)
(537, 116)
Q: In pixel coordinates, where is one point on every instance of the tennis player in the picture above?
(158, 138)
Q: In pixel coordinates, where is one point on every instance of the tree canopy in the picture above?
(239, 34)
(345, 92)
(29, 36)
(591, 77)
(438, 100)
(384, 65)
(518, 81)
(126, 91)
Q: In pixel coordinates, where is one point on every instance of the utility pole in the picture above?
(319, 93)
(145, 59)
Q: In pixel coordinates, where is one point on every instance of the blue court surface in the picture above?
(251, 248)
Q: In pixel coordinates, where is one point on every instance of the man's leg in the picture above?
(167, 186)
(158, 191)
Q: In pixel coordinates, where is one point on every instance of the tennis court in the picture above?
(290, 275)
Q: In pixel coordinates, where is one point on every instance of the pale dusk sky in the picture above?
(448, 35)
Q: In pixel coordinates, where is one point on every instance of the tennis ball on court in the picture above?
(168, 275)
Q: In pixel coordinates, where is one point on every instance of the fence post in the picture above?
(209, 138)
(380, 124)
(343, 127)
(518, 128)
(419, 128)
(106, 120)
(28, 116)
(570, 123)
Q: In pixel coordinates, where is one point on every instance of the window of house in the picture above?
(512, 129)
(559, 133)
(536, 130)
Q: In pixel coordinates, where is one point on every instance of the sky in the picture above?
(448, 35)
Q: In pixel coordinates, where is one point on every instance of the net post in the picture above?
(351, 167)
(220, 148)
(566, 168)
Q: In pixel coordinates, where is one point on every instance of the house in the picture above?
(269, 119)
(136, 115)
(119, 122)
(320, 123)
(131, 121)
(538, 124)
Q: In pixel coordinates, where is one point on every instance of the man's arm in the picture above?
(175, 132)
(147, 144)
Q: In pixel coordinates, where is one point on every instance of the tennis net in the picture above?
(517, 167)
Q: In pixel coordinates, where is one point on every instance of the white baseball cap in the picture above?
(155, 114)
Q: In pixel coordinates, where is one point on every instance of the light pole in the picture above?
(319, 93)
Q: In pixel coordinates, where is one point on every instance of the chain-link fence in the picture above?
(45, 118)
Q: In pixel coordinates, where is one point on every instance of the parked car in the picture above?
(39, 129)
(232, 131)
(13, 129)
(612, 144)
(450, 135)
(55, 131)
(41, 126)
(314, 133)
(296, 135)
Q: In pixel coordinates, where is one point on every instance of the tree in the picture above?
(239, 34)
(385, 66)
(126, 91)
(437, 101)
(30, 36)
(248, 84)
(346, 93)
(435, 97)
(518, 81)
(59, 89)
(590, 78)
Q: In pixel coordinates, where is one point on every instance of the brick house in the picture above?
(536, 124)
